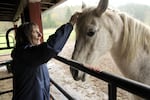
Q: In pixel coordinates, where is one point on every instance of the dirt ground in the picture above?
(91, 89)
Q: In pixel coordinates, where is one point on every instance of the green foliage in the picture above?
(58, 16)
(48, 21)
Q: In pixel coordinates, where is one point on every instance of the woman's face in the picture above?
(36, 35)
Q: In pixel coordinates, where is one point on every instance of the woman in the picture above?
(31, 77)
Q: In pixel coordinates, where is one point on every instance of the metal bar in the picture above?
(4, 48)
(112, 90)
(4, 78)
(4, 92)
(5, 63)
(7, 34)
(5, 43)
(121, 82)
(62, 90)
(51, 97)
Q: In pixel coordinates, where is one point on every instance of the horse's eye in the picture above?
(90, 33)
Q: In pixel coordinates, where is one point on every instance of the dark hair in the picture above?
(24, 33)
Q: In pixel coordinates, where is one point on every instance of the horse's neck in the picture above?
(133, 35)
(134, 54)
(116, 50)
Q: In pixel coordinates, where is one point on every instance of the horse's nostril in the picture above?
(75, 73)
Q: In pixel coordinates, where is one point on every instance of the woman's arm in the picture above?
(58, 40)
(43, 52)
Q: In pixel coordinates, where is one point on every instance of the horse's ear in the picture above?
(102, 6)
(83, 5)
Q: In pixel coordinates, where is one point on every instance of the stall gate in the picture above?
(113, 81)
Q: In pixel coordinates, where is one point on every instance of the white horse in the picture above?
(100, 30)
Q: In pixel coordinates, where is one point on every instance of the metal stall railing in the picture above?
(6, 62)
(67, 95)
(134, 87)
(7, 37)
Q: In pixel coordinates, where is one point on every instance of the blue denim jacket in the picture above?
(31, 78)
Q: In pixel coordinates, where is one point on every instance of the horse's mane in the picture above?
(135, 35)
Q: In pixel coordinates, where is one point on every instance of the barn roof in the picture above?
(10, 10)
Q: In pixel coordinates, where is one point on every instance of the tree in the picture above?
(48, 21)
(68, 13)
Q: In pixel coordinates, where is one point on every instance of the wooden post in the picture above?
(35, 14)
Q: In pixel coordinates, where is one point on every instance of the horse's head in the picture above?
(92, 37)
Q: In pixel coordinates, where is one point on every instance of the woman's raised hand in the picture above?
(74, 18)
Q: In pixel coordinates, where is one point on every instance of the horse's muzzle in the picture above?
(76, 76)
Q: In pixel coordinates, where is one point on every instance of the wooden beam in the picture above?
(58, 2)
(7, 12)
(7, 4)
(47, 3)
(33, 1)
(44, 8)
(4, 8)
(22, 5)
